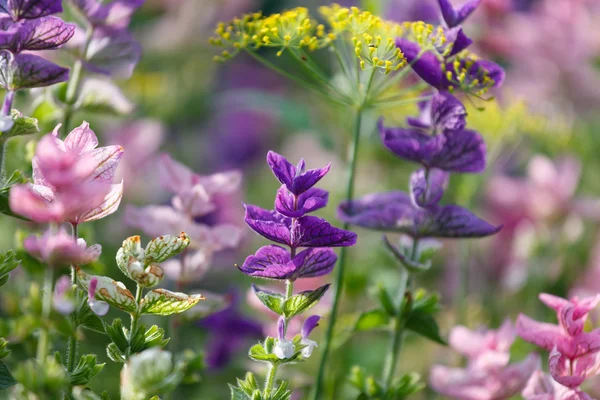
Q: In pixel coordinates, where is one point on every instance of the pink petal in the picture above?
(82, 139)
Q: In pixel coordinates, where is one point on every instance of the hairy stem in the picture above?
(72, 343)
(44, 342)
(135, 318)
(270, 380)
(339, 278)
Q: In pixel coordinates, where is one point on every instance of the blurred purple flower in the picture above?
(542, 387)
(30, 9)
(63, 299)
(488, 375)
(229, 331)
(455, 16)
(58, 249)
(574, 353)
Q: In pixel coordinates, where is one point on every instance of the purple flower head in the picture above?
(297, 179)
(396, 212)
(273, 262)
(427, 187)
(39, 34)
(455, 16)
(27, 71)
(307, 231)
(293, 206)
(442, 113)
(30, 9)
(452, 151)
(574, 353)
(229, 331)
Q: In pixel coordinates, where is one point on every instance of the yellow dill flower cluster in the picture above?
(468, 75)
(290, 29)
(427, 36)
(372, 37)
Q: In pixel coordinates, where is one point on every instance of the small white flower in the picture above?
(284, 349)
(310, 346)
(6, 123)
(99, 307)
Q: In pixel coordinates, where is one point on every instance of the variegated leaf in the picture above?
(109, 290)
(130, 251)
(165, 302)
(164, 247)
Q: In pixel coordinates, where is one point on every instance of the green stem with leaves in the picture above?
(135, 318)
(44, 339)
(270, 381)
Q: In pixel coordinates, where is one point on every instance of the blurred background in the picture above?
(542, 179)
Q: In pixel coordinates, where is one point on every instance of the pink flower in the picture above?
(99, 307)
(72, 180)
(543, 387)
(488, 375)
(59, 248)
(63, 300)
(574, 352)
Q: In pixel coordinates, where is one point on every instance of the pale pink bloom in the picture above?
(63, 300)
(574, 352)
(488, 375)
(58, 248)
(72, 180)
(99, 307)
(542, 387)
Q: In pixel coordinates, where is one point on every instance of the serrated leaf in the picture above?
(164, 247)
(165, 302)
(15, 178)
(425, 325)
(111, 291)
(273, 301)
(116, 332)
(237, 393)
(85, 370)
(303, 301)
(113, 352)
(6, 379)
(374, 319)
(8, 262)
(155, 336)
(86, 318)
(22, 125)
(258, 353)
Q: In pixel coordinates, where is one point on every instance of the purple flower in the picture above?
(63, 299)
(296, 179)
(574, 353)
(293, 206)
(542, 387)
(456, 16)
(27, 71)
(274, 262)
(229, 331)
(309, 324)
(30, 9)
(443, 112)
(115, 14)
(39, 34)
(60, 249)
(113, 52)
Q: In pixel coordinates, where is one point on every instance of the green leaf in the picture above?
(22, 125)
(117, 333)
(15, 178)
(258, 353)
(4, 351)
(8, 262)
(113, 352)
(165, 302)
(407, 385)
(425, 325)
(164, 247)
(85, 370)
(113, 292)
(303, 301)
(385, 300)
(6, 379)
(86, 318)
(374, 319)
(155, 336)
(282, 392)
(273, 301)
(238, 394)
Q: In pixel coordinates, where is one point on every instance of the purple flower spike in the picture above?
(453, 151)
(296, 179)
(427, 65)
(30, 9)
(26, 71)
(41, 34)
(395, 211)
(309, 324)
(306, 231)
(288, 204)
(427, 187)
(281, 328)
(453, 16)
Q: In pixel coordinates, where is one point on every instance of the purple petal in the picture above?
(461, 151)
(412, 144)
(465, 10)
(281, 328)
(448, 13)
(30, 9)
(26, 71)
(456, 222)
(43, 34)
(269, 262)
(308, 179)
(283, 170)
(541, 334)
(447, 113)
(314, 262)
(269, 224)
(427, 189)
(108, 159)
(309, 324)
(427, 65)
(116, 13)
(82, 138)
(309, 201)
(459, 41)
(109, 205)
(113, 52)
(316, 232)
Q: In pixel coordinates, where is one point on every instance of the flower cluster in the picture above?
(290, 225)
(29, 26)
(488, 371)
(194, 198)
(573, 351)
(72, 180)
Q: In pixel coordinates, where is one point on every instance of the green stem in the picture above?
(270, 380)
(72, 343)
(3, 152)
(135, 318)
(44, 342)
(74, 83)
(399, 323)
(339, 278)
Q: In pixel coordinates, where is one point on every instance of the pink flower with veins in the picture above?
(72, 180)
(574, 353)
(58, 248)
(542, 387)
(488, 375)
